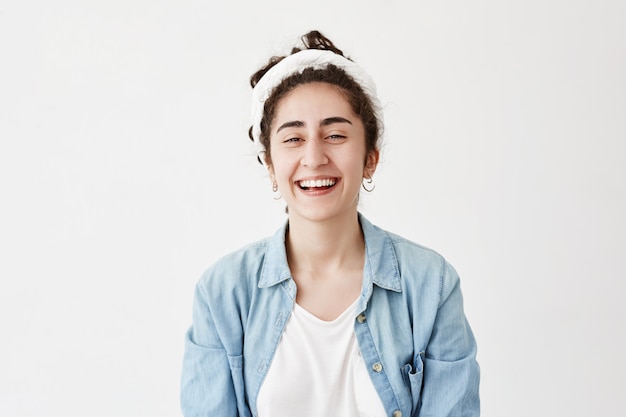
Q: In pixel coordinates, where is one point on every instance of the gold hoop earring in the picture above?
(369, 181)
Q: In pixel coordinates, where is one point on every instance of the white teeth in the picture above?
(327, 182)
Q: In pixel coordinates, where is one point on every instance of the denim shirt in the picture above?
(413, 335)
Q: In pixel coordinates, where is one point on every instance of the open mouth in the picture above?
(320, 184)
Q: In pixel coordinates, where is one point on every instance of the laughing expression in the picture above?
(318, 153)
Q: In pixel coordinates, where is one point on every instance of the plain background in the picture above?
(125, 171)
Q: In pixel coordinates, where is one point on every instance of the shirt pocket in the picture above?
(413, 375)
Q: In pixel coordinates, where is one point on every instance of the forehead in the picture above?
(314, 99)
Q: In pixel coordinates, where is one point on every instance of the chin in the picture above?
(322, 215)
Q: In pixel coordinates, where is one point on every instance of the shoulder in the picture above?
(236, 271)
(409, 250)
(405, 251)
(412, 253)
(420, 268)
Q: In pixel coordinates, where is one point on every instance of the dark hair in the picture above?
(354, 94)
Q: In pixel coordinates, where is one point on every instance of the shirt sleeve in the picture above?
(207, 388)
(451, 372)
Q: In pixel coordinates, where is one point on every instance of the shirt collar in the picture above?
(381, 264)
(275, 267)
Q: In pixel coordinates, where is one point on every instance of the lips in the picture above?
(317, 184)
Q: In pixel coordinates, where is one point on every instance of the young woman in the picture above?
(332, 315)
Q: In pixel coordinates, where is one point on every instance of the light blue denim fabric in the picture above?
(411, 329)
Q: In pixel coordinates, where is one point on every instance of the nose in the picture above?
(314, 154)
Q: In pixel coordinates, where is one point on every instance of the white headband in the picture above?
(296, 63)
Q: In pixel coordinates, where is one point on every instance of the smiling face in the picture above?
(318, 153)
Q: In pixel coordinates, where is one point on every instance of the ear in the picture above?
(270, 171)
(371, 162)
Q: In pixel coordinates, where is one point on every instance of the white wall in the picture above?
(125, 171)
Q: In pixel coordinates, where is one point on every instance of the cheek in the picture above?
(282, 171)
(356, 166)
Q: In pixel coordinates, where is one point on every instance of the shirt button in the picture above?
(377, 367)
(397, 413)
(361, 318)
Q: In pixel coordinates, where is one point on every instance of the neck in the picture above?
(325, 246)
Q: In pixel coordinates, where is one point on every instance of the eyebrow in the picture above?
(326, 122)
(295, 123)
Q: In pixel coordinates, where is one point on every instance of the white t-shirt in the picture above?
(318, 371)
